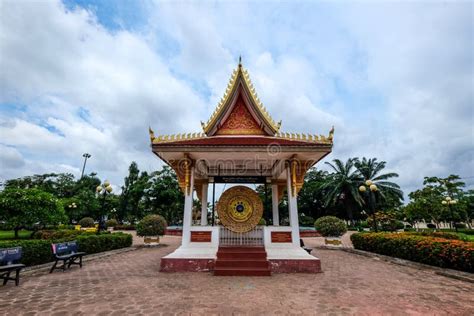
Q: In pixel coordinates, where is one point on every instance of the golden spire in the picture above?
(242, 74)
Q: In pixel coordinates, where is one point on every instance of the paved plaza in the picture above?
(130, 283)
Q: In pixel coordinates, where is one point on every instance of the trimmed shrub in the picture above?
(87, 222)
(56, 234)
(436, 234)
(111, 223)
(262, 221)
(441, 252)
(392, 225)
(330, 226)
(93, 243)
(306, 221)
(33, 251)
(39, 251)
(151, 225)
(460, 225)
(431, 226)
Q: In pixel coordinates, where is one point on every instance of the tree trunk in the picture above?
(348, 206)
(16, 229)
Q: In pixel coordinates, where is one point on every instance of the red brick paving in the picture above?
(129, 283)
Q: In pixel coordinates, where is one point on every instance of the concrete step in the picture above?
(244, 263)
(242, 272)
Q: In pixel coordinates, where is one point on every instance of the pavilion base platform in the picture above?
(191, 258)
(200, 258)
(291, 259)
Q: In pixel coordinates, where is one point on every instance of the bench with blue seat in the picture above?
(68, 254)
(9, 258)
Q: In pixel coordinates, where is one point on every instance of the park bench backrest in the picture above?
(10, 255)
(64, 248)
(72, 245)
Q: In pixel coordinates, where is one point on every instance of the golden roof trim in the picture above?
(231, 86)
(176, 137)
(304, 137)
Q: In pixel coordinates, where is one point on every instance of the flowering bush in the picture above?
(436, 251)
(330, 226)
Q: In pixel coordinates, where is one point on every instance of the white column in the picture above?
(188, 212)
(293, 211)
(276, 217)
(204, 205)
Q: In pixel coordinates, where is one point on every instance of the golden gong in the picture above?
(240, 209)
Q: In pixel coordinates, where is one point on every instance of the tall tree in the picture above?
(164, 197)
(389, 192)
(131, 205)
(342, 186)
(60, 184)
(426, 203)
(28, 208)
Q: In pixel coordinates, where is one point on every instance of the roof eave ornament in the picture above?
(152, 134)
(331, 134)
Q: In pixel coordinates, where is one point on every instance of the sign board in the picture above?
(281, 237)
(239, 179)
(201, 236)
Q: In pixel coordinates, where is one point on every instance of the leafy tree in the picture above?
(266, 200)
(466, 201)
(426, 202)
(163, 195)
(311, 196)
(390, 193)
(60, 184)
(342, 186)
(131, 202)
(26, 208)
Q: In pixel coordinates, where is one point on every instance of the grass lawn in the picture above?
(10, 234)
(466, 237)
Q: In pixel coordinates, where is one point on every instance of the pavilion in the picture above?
(241, 143)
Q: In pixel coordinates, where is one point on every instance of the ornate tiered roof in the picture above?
(240, 112)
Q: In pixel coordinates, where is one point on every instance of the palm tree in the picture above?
(370, 169)
(342, 185)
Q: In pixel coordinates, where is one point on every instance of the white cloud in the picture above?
(395, 79)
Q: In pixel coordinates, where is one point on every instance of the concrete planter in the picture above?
(333, 241)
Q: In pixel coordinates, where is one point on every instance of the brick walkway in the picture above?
(130, 283)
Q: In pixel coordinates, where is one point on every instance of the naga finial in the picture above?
(152, 134)
(331, 134)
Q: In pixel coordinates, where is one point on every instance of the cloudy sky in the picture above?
(394, 78)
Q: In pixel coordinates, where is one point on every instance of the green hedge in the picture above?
(39, 251)
(441, 252)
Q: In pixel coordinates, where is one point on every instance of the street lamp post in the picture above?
(103, 190)
(71, 206)
(372, 188)
(448, 201)
(86, 156)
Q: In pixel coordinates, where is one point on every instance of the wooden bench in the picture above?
(9, 258)
(67, 253)
(308, 250)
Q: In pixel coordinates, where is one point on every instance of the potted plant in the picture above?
(332, 228)
(151, 227)
(110, 224)
(87, 224)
